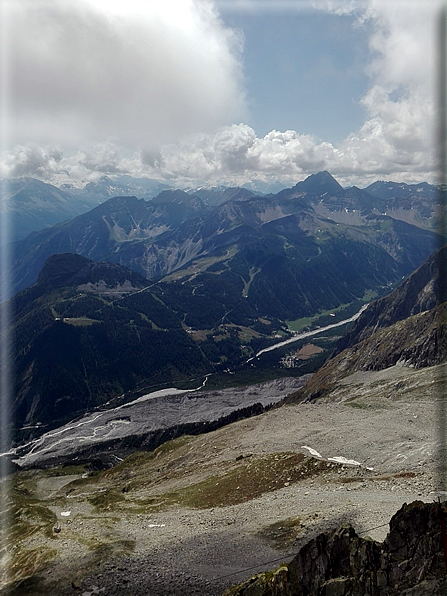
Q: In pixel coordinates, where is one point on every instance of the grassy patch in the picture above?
(171, 446)
(246, 334)
(24, 516)
(249, 481)
(323, 318)
(315, 320)
(281, 534)
(108, 489)
(107, 500)
(300, 324)
(370, 295)
(68, 470)
(355, 404)
(25, 564)
(200, 335)
(241, 483)
(112, 489)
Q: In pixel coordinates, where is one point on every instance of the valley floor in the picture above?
(202, 513)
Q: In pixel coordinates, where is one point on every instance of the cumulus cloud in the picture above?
(192, 82)
(133, 72)
(103, 158)
(236, 155)
(31, 160)
(398, 137)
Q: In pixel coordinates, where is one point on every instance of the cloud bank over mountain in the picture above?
(157, 89)
(132, 71)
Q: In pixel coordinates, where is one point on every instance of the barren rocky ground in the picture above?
(201, 513)
(146, 416)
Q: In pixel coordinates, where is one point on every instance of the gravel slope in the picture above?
(387, 421)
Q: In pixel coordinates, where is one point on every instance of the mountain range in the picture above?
(186, 289)
(314, 227)
(32, 205)
(136, 293)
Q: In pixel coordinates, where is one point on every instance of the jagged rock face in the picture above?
(340, 563)
(418, 341)
(407, 327)
(420, 292)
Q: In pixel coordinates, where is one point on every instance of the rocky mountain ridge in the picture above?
(33, 205)
(408, 326)
(410, 561)
(419, 342)
(176, 229)
(420, 292)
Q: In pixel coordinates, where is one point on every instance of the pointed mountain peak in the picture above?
(319, 184)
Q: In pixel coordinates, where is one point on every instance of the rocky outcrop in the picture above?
(421, 291)
(340, 563)
(407, 327)
(418, 341)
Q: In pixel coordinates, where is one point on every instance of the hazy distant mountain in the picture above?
(33, 205)
(107, 187)
(214, 196)
(392, 190)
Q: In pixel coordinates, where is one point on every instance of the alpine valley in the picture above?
(201, 376)
(137, 295)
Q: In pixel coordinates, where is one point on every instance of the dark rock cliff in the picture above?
(421, 291)
(340, 563)
(409, 326)
(418, 341)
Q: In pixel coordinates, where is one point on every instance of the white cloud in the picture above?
(31, 160)
(192, 82)
(134, 72)
(399, 134)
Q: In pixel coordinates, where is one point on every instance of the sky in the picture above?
(219, 92)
